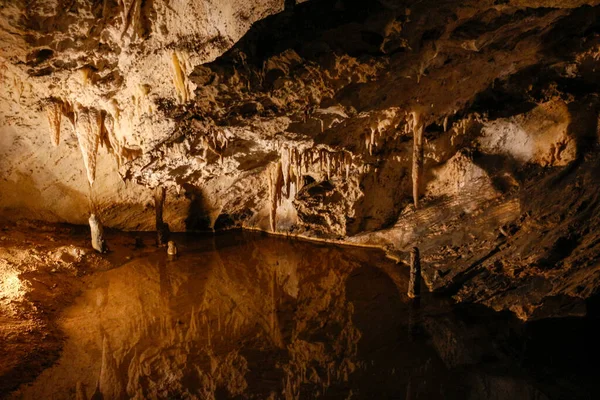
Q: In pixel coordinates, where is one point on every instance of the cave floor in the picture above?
(248, 315)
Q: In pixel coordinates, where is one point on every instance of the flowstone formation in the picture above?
(465, 128)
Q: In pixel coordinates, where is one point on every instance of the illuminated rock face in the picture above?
(446, 126)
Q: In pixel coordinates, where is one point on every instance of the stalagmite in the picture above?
(88, 127)
(54, 114)
(171, 248)
(417, 167)
(414, 283)
(162, 229)
(98, 242)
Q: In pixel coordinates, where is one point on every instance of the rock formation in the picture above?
(454, 126)
(97, 233)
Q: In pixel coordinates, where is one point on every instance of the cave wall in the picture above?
(467, 128)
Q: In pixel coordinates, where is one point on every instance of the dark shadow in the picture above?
(198, 219)
(564, 39)
(584, 124)
(299, 26)
(289, 5)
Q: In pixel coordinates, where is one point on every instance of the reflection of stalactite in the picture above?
(80, 391)
(110, 382)
(88, 128)
(54, 113)
(193, 332)
(417, 167)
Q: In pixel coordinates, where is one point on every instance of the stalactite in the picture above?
(285, 168)
(54, 114)
(348, 163)
(417, 168)
(179, 79)
(272, 198)
(368, 143)
(372, 142)
(276, 186)
(321, 160)
(216, 142)
(446, 123)
(85, 75)
(110, 136)
(88, 128)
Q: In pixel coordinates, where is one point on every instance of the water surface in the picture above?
(245, 315)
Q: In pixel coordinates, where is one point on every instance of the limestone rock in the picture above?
(322, 119)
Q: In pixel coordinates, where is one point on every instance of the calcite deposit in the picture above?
(468, 129)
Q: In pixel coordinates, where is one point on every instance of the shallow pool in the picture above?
(246, 315)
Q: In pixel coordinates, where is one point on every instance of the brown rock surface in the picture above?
(301, 121)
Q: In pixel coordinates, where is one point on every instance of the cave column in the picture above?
(162, 229)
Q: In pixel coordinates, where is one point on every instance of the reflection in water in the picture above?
(251, 316)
